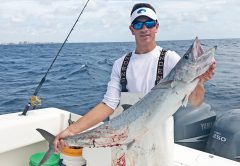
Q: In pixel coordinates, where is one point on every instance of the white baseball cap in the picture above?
(143, 11)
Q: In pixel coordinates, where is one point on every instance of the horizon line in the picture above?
(29, 42)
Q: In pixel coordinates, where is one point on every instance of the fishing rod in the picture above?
(34, 100)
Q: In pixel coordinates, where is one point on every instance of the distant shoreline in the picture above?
(33, 43)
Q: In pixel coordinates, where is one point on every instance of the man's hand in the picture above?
(208, 74)
(59, 144)
(197, 96)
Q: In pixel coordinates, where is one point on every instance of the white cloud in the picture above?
(108, 20)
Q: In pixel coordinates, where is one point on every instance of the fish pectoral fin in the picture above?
(130, 144)
(191, 88)
(185, 100)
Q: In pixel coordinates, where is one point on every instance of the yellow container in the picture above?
(72, 156)
(72, 151)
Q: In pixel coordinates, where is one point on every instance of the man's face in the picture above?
(144, 29)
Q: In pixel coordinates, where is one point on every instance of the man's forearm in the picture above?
(93, 117)
(197, 96)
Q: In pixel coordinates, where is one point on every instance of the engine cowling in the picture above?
(224, 139)
(192, 126)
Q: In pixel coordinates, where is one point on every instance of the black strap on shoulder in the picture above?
(126, 60)
(159, 75)
(123, 80)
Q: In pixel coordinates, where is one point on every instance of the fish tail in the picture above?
(50, 138)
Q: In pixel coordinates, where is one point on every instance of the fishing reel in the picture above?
(35, 101)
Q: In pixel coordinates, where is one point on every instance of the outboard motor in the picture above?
(224, 139)
(192, 126)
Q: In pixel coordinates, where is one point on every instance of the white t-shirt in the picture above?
(141, 74)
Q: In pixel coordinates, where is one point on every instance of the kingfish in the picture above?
(155, 107)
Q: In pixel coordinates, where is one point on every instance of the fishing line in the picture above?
(34, 100)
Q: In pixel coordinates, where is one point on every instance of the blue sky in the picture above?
(108, 20)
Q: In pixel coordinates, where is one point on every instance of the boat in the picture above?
(19, 140)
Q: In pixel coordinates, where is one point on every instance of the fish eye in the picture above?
(185, 56)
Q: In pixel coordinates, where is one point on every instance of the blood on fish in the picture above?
(121, 161)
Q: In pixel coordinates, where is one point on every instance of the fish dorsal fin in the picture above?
(164, 84)
(126, 106)
(127, 100)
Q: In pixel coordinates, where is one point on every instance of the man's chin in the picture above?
(146, 39)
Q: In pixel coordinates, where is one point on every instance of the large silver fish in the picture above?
(155, 107)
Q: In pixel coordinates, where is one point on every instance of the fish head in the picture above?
(194, 51)
(193, 63)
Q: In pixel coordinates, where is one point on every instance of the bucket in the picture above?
(72, 157)
(37, 157)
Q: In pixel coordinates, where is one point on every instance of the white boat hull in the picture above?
(19, 140)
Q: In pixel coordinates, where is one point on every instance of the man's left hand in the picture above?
(208, 74)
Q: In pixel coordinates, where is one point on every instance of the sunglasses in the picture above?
(139, 25)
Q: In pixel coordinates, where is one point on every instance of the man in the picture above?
(140, 68)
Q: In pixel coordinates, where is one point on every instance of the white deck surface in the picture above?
(19, 139)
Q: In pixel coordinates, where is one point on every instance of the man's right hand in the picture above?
(93, 117)
(59, 144)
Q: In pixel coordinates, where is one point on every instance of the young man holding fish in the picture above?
(141, 74)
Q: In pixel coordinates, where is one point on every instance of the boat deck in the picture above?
(19, 140)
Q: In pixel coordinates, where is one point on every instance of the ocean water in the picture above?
(78, 79)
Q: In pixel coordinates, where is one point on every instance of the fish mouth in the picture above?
(201, 64)
(197, 55)
(207, 57)
(197, 50)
